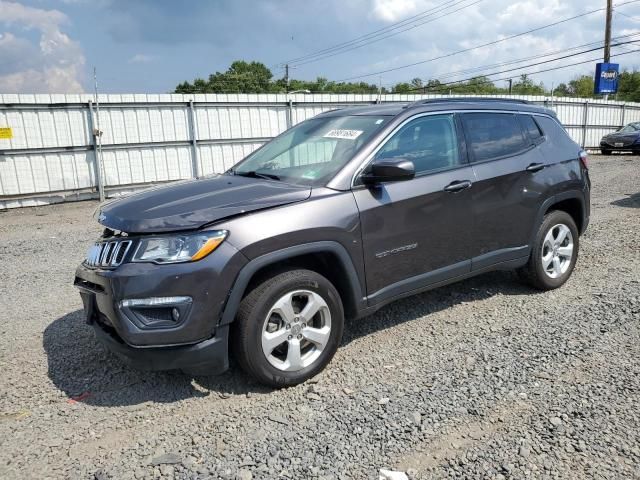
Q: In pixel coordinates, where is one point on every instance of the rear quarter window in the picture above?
(531, 127)
(493, 135)
(557, 137)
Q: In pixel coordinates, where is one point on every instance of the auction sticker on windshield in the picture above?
(344, 134)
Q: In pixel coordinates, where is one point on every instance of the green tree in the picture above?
(404, 87)
(629, 86)
(526, 86)
(416, 83)
(240, 77)
(581, 86)
(561, 90)
(480, 85)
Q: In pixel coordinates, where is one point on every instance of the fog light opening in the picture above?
(175, 314)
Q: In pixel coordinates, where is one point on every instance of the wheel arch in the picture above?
(328, 258)
(571, 202)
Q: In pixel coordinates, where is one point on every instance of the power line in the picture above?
(534, 57)
(479, 69)
(635, 19)
(381, 37)
(386, 29)
(494, 42)
(452, 85)
(537, 63)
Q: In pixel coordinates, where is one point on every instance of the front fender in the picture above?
(249, 270)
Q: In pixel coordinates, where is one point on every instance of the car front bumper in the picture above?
(148, 336)
(209, 357)
(625, 147)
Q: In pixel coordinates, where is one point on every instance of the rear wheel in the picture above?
(288, 328)
(554, 252)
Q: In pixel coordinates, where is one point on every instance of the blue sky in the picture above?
(147, 46)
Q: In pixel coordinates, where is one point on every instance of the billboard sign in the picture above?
(606, 79)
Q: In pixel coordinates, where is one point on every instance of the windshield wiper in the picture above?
(254, 174)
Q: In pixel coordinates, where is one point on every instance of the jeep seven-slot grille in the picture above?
(107, 254)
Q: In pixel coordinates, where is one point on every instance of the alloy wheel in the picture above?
(557, 250)
(296, 330)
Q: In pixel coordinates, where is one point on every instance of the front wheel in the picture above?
(554, 252)
(288, 328)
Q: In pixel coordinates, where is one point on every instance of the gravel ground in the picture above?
(482, 379)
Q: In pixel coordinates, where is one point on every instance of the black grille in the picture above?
(107, 254)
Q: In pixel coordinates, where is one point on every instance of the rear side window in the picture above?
(493, 135)
(531, 127)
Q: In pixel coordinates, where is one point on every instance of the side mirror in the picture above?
(388, 170)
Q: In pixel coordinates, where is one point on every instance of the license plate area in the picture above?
(618, 144)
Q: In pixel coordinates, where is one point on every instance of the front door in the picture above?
(417, 232)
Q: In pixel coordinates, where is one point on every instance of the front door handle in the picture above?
(457, 186)
(535, 167)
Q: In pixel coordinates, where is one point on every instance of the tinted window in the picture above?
(557, 136)
(492, 135)
(429, 142)
(531, 127)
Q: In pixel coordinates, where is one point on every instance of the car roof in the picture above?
(439, 104)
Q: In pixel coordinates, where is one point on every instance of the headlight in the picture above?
(179, 248)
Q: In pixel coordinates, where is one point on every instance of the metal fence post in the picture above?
(289, 114)
(622, 115)
(585, 117)
(195, 157)
(97, 160)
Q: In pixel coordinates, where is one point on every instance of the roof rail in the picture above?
(467, 100)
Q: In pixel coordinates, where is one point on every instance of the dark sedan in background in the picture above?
(627, 139)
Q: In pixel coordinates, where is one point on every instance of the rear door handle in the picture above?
(535, 167)
(457, 186)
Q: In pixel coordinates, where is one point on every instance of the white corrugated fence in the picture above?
(147, 139)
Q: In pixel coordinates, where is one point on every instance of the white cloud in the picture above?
(478, 24)
(52, 65)
(141, 58)
(393, 10)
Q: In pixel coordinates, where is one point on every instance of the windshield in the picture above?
(632, 127)
(312, 152)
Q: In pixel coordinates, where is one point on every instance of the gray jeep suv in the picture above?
(336, 217)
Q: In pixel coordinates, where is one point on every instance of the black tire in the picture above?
(604, 151)
(533, 272)
(248, 326)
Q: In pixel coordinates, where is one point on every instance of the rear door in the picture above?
(416, 232)
(506, 195)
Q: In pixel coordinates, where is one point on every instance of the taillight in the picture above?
(584, 157)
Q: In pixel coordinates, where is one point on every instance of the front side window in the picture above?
(430, 142)
(312, 152)
(493, 135)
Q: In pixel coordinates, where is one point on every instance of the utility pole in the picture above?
(607, 33)
(510, 85)
(286, 77)
(607, 37)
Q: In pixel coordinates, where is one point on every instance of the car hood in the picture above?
(620, 136)
(195, 203)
